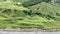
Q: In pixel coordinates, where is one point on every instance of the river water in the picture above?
(19, 32)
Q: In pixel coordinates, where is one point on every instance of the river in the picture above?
(20, 32)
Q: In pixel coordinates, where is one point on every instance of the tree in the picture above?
(33, 2)
(47, 0)
(58, 1)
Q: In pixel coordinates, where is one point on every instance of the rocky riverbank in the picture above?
(33, 29)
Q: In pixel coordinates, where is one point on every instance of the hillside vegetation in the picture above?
(29, 13)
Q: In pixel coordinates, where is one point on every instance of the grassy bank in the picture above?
(41, 15)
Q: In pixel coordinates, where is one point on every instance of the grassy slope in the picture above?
(21, 20)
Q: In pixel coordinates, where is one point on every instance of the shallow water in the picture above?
(19, 32)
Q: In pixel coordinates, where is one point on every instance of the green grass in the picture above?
(12, 15)
(11, 5)
(35, 22)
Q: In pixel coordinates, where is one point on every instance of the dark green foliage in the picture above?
(24, 11)
(58, 14)
(21, 1)
(6, 10)
(57, 1)
(34, 2)
(27, 12)
(31, 3)
(50, 17)
(47, 1)
(38, 14)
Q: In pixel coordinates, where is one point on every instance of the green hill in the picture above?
(41, 15)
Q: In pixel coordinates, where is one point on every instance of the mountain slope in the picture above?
(41, 15)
